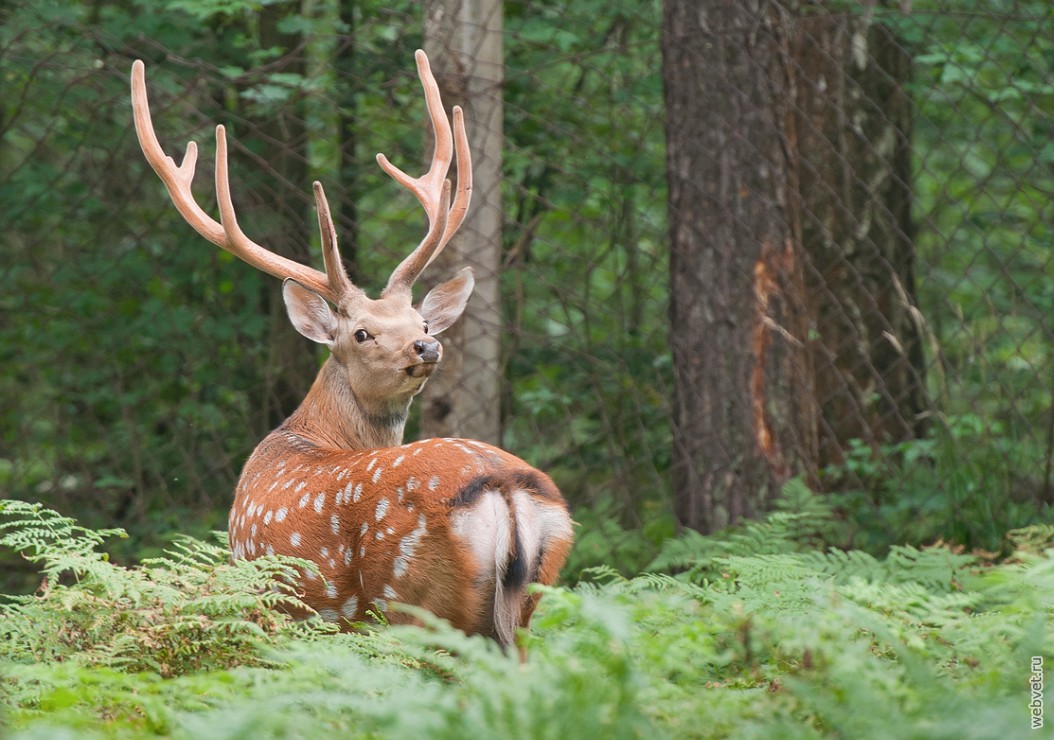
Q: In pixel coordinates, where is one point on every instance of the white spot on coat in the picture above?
(350, 607)
(407, 547)
(382, 509)
(279, 516)
(320, 499)
(294, 539)
(345, 494)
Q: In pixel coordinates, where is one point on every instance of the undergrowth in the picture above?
(762, 631)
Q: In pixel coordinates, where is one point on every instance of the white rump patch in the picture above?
(485, 529)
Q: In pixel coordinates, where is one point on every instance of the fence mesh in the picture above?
(142, 364)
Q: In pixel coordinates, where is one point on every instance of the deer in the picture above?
(456, 527)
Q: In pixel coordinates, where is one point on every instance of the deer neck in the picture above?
(332, 416)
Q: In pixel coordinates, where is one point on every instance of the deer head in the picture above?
(381, 350)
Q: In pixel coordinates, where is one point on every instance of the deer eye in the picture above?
(426, 327)
(361, 335)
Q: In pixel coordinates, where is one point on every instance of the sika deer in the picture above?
(456, 526)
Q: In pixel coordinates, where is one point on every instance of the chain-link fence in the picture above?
(875, 226)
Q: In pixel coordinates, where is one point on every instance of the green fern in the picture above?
(187, 610)
(790, 641)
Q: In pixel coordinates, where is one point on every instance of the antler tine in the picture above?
(406, 274)
(339, 282)
(432, 188)
(225, 234)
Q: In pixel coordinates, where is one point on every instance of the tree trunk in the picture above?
(464, 44)
(743, 420)
(854, 140)
(292, 360)
(793, 317)
(345, 92)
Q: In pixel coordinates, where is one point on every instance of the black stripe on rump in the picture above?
(529, 480)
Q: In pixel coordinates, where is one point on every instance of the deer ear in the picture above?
(445, 302)
(309, 312)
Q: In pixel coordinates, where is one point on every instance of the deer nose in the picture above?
(427, 350)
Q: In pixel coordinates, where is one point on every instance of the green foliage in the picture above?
(807, 642)
(188, 610)
(940, 487)
(984, 171)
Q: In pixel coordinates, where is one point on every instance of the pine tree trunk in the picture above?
(292, 360)
(793, 319)
(854, 140)
(464, 44)
(743, 421)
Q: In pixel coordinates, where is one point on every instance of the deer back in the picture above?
(457, 527)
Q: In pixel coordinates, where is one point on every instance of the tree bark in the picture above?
(292, 360)
(793, 319)
(743, 421)
(854, 141)
(346, 210)
(464, 44)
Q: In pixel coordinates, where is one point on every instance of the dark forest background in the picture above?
(772, 243)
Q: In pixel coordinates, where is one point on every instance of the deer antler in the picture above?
(332, 284)
(432, 189)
